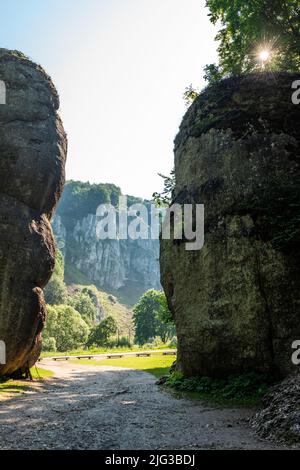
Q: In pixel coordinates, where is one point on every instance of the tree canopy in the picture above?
(83, 304)
(253, 34)
(152, 318)
(101, 333)
(56, 291)
(164, 198)
(65, 329)
(80, 199)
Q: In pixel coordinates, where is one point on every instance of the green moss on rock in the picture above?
(236, 301)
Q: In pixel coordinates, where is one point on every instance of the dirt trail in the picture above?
(93, 407)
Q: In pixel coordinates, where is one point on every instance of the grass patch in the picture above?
(12, 387)
(72, 275)
(38, 373)
(236, 390)
(82, 352)
(156, 365)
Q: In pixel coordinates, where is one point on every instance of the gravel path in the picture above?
(99, 407)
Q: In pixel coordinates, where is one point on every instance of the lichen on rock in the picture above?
(33, 149)
(236, 301)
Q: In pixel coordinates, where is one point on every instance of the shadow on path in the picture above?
(98, 407)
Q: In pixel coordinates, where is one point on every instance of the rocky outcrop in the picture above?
(131, 266)
(280, 418)
(32, 160)
(236, 301)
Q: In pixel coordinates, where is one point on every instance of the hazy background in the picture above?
(121, 67)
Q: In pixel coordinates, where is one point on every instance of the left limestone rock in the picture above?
(33, 149)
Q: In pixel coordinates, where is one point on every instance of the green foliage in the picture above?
(164, 198)
(20, 55)
(92, 292)
(55, 291)
(66, 326)
(156, 364)
(250, 26)
(10, 386)
(250, 387)
(80, 199)
(59, 265)
(163, 314)
(120, 312)
(83, 304)
(49, 343)
(123, 342)
(101, 333)
(152, 318)
(39, 374)
(74, 276)
(212, 74)
(144, 316)
(106, 349)
(189, 95)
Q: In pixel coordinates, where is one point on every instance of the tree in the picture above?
(55, 291)
(152, 317)
(164, 314)
(66, 326)
(101, 333)
(249, 28)
(189, 95)
(164, 198)
(80, 199)
(165, 322)
(212, 74)
(83, 304)
(49, 343)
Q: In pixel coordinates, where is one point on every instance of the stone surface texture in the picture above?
(33, 149)
(236, 302)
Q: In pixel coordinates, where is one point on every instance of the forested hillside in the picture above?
(125, 268)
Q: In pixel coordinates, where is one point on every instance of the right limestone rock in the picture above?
(236, 301)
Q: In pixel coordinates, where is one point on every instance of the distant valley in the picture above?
(123, 268)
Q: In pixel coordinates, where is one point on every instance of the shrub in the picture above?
(101, 334)
(83, 304)
(49, 344)
(124, 342)
(236, 387)
(152, 318)
(66, 326)
(173, 343)
(55, 292)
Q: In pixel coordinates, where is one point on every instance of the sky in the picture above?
(120, 67)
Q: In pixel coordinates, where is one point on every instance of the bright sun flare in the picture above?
(264, 55)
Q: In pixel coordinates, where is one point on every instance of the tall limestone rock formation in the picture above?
(125, 267)
(32, 159)
(236, 302)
